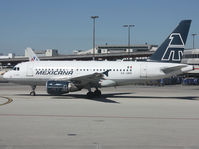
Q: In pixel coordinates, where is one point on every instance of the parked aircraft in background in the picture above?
(61, 77)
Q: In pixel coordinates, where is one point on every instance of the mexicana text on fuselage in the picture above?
(53, 72)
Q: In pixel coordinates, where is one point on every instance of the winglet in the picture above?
(106, 72)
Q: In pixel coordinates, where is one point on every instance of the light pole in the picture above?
(129, 26)
(193, 40)
(94, 17)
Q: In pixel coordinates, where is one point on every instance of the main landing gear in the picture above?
(96, 93)
(32, 93)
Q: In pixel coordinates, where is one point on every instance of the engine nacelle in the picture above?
(107, 83)
(60, 87)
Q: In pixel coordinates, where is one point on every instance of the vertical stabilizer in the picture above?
(171, 50)
(31, 55)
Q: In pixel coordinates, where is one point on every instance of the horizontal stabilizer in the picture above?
(173, 69)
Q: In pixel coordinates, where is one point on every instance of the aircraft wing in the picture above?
(173, 69)
(87, 80)
(91, 79)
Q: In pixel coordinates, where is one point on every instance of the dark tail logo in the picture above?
(171, 50)
(174, 51)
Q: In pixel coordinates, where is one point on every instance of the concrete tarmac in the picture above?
(143, 117)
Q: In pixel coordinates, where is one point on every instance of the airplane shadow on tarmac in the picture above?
(106, 97)
(103, 98)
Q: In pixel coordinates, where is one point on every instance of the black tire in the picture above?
(32, 93)
(90, 95)
(98, 93)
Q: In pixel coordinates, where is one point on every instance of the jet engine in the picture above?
(60, 87)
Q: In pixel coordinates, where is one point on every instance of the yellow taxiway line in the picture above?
(9, 100)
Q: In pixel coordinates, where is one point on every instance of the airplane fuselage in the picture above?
(120, 72)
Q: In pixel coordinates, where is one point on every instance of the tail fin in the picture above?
(171, 50)
(31, 55)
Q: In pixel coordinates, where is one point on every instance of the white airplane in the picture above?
(61, 77)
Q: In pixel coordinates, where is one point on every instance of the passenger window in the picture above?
(14, 68)
(17, 68)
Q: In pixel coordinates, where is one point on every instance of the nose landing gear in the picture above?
(32, 93)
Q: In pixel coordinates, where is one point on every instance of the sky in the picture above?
(66, 24)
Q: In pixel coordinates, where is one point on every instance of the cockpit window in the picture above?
(16, 68)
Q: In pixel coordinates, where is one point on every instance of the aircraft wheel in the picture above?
(90, 95)
(97, 93)
(32, 93)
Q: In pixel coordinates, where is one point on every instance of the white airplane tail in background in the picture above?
(31, 55)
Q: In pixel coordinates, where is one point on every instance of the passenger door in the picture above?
(143, 70)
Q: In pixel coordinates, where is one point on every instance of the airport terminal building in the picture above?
(108, 49)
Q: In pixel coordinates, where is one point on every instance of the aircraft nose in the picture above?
(6, 75)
